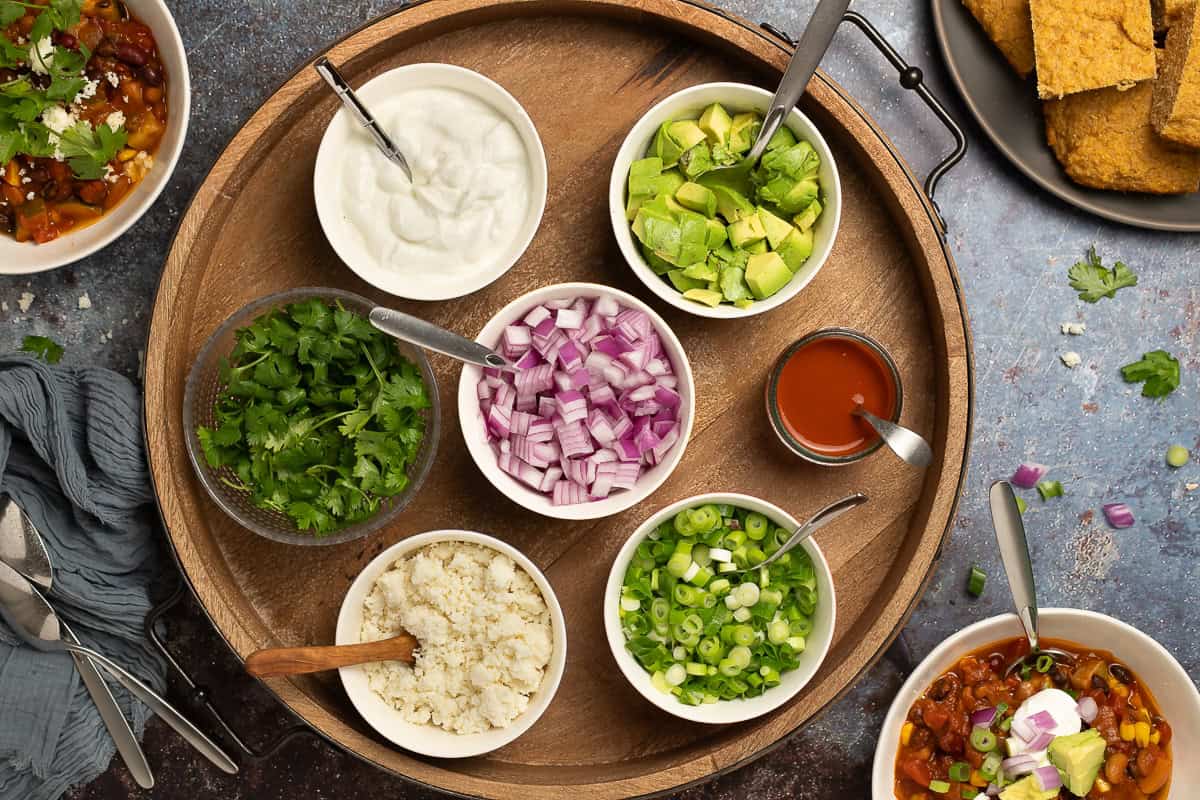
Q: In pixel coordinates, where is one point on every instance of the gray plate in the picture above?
(1009, 112)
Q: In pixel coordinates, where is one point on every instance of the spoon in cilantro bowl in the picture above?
(305, 423)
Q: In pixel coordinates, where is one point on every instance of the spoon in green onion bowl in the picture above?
(818, 520)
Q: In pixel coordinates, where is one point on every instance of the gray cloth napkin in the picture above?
(71, 455)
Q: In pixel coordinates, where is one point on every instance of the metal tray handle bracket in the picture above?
(913, 79)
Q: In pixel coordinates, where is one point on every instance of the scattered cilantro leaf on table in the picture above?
(320, 418)
(1093, 280)
(1158, 371)
(43, 347)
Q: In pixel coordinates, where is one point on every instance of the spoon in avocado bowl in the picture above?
(1014, 552)
(278, 661)
(361, 115)
(425, 334)
(808, 54)
(909, 445)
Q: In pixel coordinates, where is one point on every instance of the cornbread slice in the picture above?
(1104, 139)
(1006, 22)
(1176, 110)
(1081, 45)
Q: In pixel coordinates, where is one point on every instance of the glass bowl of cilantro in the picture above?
(306, 424)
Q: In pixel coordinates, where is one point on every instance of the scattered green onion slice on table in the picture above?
(1021, 504)
(1048, 489)
(704, 630)
(1177, 455)
(976, 581)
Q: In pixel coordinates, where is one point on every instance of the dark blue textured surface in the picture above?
(1013, 246)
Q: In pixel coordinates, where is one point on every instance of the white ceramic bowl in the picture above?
(724, 711)
(1157, 670)
(23, 258)
(688, 104)
(475, 433)
(350, 248)
(431, 740)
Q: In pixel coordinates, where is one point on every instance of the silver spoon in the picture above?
(1014, 552)
(22, 548)
(328, 71)
(908, 444)
(439, 340)
(818, 520)
(31, 617)
(815, 40)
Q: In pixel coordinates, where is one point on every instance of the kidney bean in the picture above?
(151, 75)
(130, 55)
(67, 40)
(92, 192)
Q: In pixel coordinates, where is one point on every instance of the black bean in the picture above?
(151, 75)
(1120, 673)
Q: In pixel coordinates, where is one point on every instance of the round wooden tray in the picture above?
(585, 70)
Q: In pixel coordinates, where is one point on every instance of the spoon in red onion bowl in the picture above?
(1014, 553)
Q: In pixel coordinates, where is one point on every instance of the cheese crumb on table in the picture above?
(484, 633)
(25, 301)
(1073, 328)
(85, 302)
(1071, 359)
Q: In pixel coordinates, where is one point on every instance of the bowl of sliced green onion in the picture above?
(703, 633)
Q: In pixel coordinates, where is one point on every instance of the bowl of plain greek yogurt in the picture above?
(478, 190)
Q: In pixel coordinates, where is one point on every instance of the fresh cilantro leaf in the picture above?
(10, 12)
(1159, 371)
(1093, 280)
(89, 149)
(44, 348)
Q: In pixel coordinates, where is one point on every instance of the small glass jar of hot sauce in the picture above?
(817, 383)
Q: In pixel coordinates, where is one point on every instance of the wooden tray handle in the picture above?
(278, 661)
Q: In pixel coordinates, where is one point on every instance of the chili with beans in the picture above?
(42, 197)
(939, 745)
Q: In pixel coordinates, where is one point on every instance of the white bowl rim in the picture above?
(616, 208)
(62, 251)
(724, 711)
(526, 130)
(470, 420)
(883, 763)
(387, 721)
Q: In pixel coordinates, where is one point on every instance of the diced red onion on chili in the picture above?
(1018, 765)
(1027, 475)
(594, 404)
(1087, 709)
(1119, 515)
(1041, 741)
(992, 790)
(1023, 729)
(984, 717)
(1042, 721)
(1047, 778)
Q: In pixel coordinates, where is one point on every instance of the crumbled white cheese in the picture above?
(112, 78)
(139, 166)
(484, 633)
(85, 302)
(1071, 359)
(26, 179)
(109, 174)
(1073, 328)
(115, 120)
(41, 56)
(25, 301)
(88, 91)
(58, 118)
(4, 306)
(31, 195)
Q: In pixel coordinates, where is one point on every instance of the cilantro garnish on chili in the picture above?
(320, 418)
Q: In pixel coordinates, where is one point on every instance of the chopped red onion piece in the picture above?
(1087, 709)
(529, 360)
(1042, 721)
(562, 302)
(550, 479)
(1027, 475)
(606, 306)
(1119, 515)
(568, 318)
(600, 427)
(483, 391)
(1041, 741)
(540, 430)
(516, 340)
(537, 316)
(984, 717)
(1047, 778)
(627, 474)
(1023, 729)
(627, 450)
(1018, 765)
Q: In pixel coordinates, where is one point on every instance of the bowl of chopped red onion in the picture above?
(596, 415)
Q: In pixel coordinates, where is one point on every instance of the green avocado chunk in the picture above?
(1027, 789)
(716, 124)
(1079, 757)
(733, 284)
(705, 296)
(693, 239)
(696, 161)
(796, 248)
(808, 217)
(683, 283)
(732, 204)
(665, 146)
(746, 231)
(717, 235)
(668, 182)
(657, 264)
(697, 198)
(782, 137)
(642, 175)
(686, 133)
(758, 247)
(777, 229)
(744, 131)
(766, 274)
(704, 271)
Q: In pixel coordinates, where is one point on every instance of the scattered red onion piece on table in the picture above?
(1027, 475)
(1119, 515)
(596, 401)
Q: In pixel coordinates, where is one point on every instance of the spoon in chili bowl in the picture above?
(1014, 553)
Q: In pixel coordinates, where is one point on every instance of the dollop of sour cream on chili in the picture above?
(1059, 705)
(470, 193)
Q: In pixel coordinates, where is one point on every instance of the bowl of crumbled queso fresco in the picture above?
(94, 104)
(492, 643)
(700, 638)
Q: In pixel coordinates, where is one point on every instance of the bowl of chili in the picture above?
(814, 387)
(1146, 710)
(96, 114)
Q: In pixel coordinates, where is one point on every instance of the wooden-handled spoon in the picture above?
(277, 661)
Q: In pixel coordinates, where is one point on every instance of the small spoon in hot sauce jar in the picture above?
(817, 385)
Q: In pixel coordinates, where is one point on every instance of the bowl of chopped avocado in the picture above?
(306, 424)
(709, 245)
